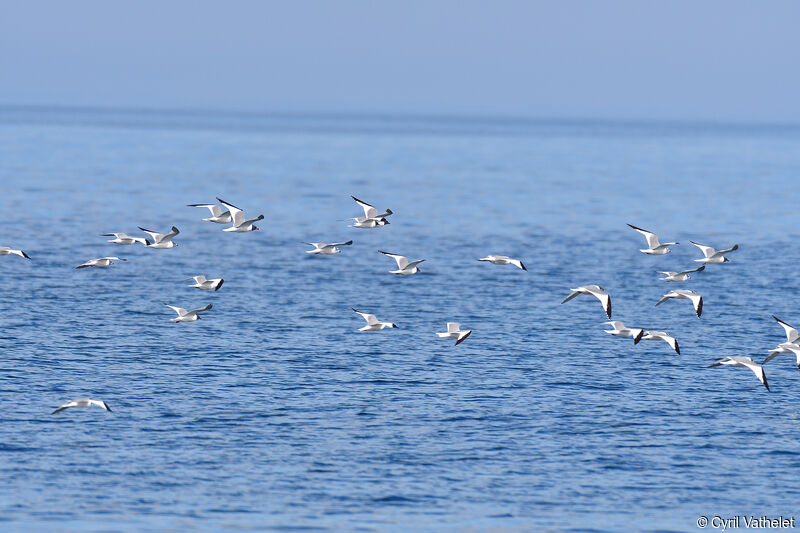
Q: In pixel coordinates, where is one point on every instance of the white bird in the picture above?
(454, 332)
(404, 268)
(161, 240)
(683, 275)
(4, 250)
(217, 214)
(371, 218)
(503, 260)
(101, 262)
(187, 316)
(653, 246)
(746, 362)
(200, 282)
(373, 324)
(595, 290)
(712, 256)
(621, 331)
(785, 347)
(696, 299)
(661, 336)
(240, 225)
(325, 248)
(82, 402)
(124, 238)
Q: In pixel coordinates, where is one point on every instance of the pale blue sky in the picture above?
(713, 60)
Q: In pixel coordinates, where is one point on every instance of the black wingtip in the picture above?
(638, 337)
(221, 281)
(348, 242)
(26, 256)
(522, 265)
(462, 339)
(677, 348)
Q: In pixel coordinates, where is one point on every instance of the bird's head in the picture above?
(725, 260)
(256, 228)
(394, 325)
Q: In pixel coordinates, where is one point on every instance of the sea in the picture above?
(274, 413)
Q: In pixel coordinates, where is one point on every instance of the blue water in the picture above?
(274, 413)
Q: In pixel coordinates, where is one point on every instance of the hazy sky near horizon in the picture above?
(713, 60)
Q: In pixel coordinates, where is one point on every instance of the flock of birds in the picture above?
(227, 213)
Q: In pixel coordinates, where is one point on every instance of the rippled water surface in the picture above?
(274, 412)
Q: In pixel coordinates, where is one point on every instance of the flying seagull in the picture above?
(372, 322)
(454, 332)
(101, 262)
(404, 268)
(124, 238)
(325, 248)
(161, 240)
(683, 275)
(757, 369)
(503, 260)
(82, 402)
(712, 256)
(4, 250)
(661, 336)
(187, 316)
(595, 290)
(621, 331)
(240, 225)
(371, 218)
(200, 282)
(217, 214)
(653, 246)
(696, 299)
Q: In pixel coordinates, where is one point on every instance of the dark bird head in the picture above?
(725, 259)
(256, 228)
(394, 325)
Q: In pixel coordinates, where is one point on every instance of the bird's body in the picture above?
(200, 282)
(124, 238)
(218, 215)
(595, 290)
(240, 225)
(82, 402)
(404, 268)
(662, 336)
(187, 316)
(5, 250)
(621, 331)
(373, 324)
(757, 369)
(653, 246)
(371, 218)
(100, 262)
(683, 275)
(161, 241)
(325, 248)
(503, 260)
(712, 256)
(454, 332)
(696, 299)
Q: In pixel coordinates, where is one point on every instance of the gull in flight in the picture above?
(621, 331)
(503, 260)
(240, 225)
(124, 238)
(201, 282)
(4, 250)
(82, 402)
(653, 246)
(454, 332)
(371, 218)
(744, 361)
(325, 248)
(404, 268)
(217, 214)
(683, 275)
(187, 316)
(595, 290)
(712, 256)
(790, 346)
(372, 322)
(101, 262)
(696, 299)
(661, 336)
(161, 240)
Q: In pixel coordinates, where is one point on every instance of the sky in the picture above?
(686, 60)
